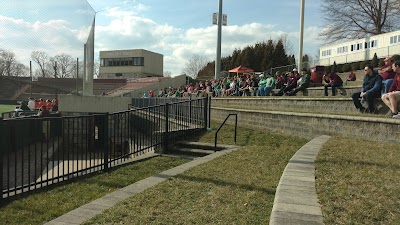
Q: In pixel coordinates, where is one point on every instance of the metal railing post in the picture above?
(205, 106)
(209, 113)
(166, 133)
(1, 158)
(106, 144)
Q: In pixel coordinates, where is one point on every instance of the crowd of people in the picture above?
(288, 83)
(383, 83)
(40, 107)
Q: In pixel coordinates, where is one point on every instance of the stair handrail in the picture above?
(216, 133)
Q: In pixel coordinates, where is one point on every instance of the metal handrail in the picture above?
(216, 133)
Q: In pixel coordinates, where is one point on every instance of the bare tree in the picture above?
(42, 60)
(194, 65)
(8, 63)
(167, 74)
(287, 44)
(62, 65)
(96, 67)
(353, 19)
(20, 69)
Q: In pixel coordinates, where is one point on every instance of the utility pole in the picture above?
(300, 65)
(218, 59)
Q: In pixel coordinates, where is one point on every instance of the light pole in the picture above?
(218, 59)
(301, 34)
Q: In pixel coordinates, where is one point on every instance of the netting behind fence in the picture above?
(51, 34)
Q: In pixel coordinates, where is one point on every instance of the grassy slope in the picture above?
(49, 204)
(237, 188)
(358, 182)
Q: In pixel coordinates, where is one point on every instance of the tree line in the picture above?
(260, 57)
(46, 66)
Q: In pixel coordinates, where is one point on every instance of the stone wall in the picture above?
(317, 105)
(309, 125)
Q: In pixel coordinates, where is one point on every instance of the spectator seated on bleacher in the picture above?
(302, 84)
(387, 74)
(371, 89)
(392, 98)
(352, 76)
(332, 81)
(254, 85)
(43, 112)
(292, 83)
(32, 104)
(280, 80)
(244, 88)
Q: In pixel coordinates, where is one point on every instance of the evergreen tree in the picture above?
(375, 61)
(279, 55)
(334, 69)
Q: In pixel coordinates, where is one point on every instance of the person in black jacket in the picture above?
(371, 89)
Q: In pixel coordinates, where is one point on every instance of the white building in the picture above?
(134, 63)
(383, 45)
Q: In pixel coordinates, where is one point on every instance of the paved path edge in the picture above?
(296, 199)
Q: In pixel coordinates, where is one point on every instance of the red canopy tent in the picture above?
(241, 69)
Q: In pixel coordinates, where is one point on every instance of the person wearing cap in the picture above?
(392, 98)
(333, 81)
(371, 89)
(302, 84)
(387, 74)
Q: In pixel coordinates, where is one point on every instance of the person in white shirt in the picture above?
(31, 104)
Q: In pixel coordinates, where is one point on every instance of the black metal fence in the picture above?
(37, 152)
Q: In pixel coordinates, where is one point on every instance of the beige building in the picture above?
(134, 63)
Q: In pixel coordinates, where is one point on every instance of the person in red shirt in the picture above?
(392, 98)
(352, 76)
(387, 74)
(334, 81)
(48, 104)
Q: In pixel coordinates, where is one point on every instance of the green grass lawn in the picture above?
(6, 108)
(358, 182)
(238, 188)
(46, 205)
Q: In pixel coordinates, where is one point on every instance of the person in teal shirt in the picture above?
(269, 85)
(262, 85)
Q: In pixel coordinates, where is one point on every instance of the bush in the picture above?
(328, 69)
(346, 68)
(396, 58)
(364, 64)
(339, 68)
(375, 61)
(355, 66)
(381, 62)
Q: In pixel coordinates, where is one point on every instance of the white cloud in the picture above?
(53, 37)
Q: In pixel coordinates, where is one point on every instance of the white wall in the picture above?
(92, 104)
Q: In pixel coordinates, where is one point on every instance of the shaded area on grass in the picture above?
(50, 204)
(237, 188)
(358, 182)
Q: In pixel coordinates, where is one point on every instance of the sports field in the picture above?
(6, 108)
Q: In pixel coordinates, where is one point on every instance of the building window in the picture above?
(132, 61)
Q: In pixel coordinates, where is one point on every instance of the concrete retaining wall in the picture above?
(92, 104)
(309, 125)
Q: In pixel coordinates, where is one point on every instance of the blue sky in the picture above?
(175, 28)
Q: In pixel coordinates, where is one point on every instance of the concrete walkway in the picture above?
(296, 200)
(88, 211)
